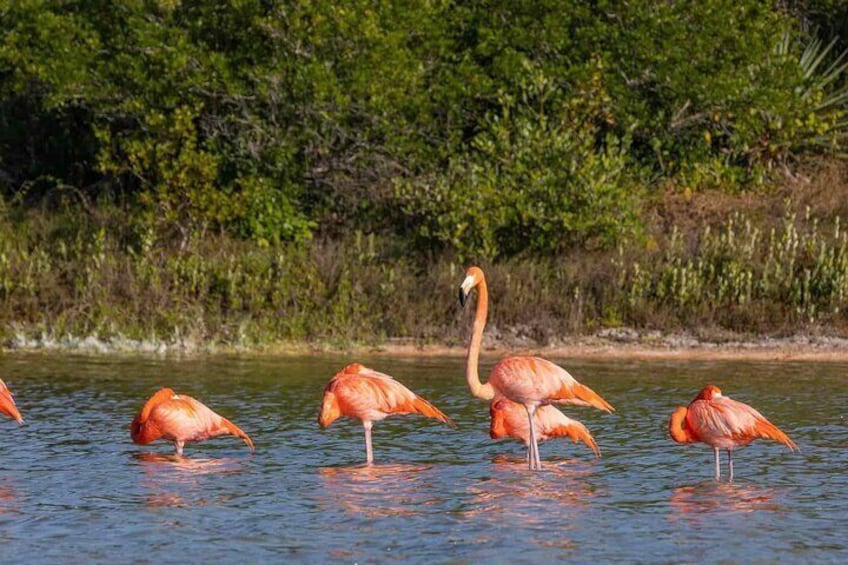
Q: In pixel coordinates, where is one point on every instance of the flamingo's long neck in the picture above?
(679, 429)
(478, 389)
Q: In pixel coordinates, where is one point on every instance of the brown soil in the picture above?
(676, 347)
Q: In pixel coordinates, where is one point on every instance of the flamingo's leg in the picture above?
(535, 462)
(178, 444)
(369, 454)
(538, 458)
(717, 467)
(730, 464)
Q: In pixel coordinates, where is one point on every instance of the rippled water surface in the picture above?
(73, 487)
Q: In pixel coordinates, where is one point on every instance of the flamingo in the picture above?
(180, 419)
(509, 419)
(723, 423)
(529, 381)
(7, 403)
(359, 392)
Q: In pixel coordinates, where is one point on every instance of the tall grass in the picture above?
(66, 275)
(744, 277)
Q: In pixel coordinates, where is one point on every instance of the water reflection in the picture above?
(381, 490)
(167, 477)
(694, 502)
(517, 494)
(185, 464)
(69, 481)
(573, 466)
(9, 503)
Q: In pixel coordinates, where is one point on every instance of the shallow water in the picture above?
(73, 487)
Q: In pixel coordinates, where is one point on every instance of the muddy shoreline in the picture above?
(799, 348)
(615, 345)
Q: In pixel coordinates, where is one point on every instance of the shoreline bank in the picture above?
(623, 347)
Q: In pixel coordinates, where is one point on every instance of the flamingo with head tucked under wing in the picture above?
(359, 392)
(7, 403)
(509, 419)
(180, 419)
(722, 423)
(529, 381)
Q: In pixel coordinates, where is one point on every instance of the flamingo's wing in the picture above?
(565, 389)
(371, 392)
(509, 419)
(184, 418)
(553, 423)
(392, 396)
(725, 417)
(164, 394)
(190, 415)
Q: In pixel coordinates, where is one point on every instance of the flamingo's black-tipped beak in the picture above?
(462, 296)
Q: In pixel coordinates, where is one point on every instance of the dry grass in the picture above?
(713, 265)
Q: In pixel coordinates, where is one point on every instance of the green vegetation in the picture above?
(249, 172)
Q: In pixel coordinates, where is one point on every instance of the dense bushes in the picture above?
(141, 141)
(537, 180)
(62, 278)
(276, 121)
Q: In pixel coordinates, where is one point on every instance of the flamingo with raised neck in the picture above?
(529, 381)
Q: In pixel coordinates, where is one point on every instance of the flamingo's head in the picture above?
(473, 277)
(144, 432)
(709, 392)
(497, 412)
(135, 428)
(330, 409)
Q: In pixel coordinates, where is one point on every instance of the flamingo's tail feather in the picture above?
(423, 407)
(577, 432)
(765, 429)
(576, 393)
(7, 405)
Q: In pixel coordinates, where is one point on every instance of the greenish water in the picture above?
(73, 487)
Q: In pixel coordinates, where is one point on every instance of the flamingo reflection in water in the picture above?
(9, 499)
(504, 497)
(379, 491)
(699, 502)
(175, 480)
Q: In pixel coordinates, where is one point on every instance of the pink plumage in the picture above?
(722, 423)
(529, 381)
(509, 419)
(368, 395)
(180, 419)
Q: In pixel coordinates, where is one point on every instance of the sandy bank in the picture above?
(618, 344)
(673, 347)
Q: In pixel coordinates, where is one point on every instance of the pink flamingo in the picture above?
(509, 419)
(722, 423)
(180, 419)
(529, 381)
(7, 403)
(359, 392)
